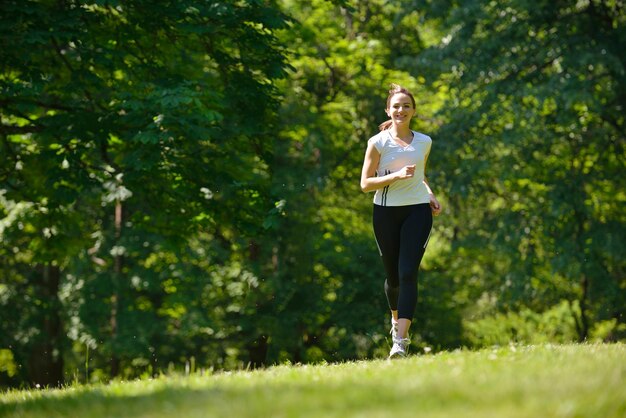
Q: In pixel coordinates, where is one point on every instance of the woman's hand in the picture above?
(406, 172)
(435, 206)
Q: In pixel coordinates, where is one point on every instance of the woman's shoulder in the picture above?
(380, 136)
(421, 137)
(379, 140)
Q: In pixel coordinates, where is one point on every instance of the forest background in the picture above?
(179, 180)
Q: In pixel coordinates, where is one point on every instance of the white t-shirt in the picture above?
(393, 157)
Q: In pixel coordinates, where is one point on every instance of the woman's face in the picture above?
(401, 108)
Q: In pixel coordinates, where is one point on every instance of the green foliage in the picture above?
(534, 148)
(127, 131)
(329, 296)
(557, 324)
(7, 363)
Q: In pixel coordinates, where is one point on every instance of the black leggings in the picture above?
(402, 233)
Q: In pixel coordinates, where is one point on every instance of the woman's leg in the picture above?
(414, 235)
(387, 233)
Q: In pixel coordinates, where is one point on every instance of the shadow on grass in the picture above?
(254, 400)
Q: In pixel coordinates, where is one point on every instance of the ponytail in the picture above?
(385, 125)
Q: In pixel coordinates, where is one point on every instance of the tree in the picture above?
(122, 121)
(535, 143)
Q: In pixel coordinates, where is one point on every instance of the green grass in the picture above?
(537, 381)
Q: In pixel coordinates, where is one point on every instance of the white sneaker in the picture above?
(394, 328)
(400, 347)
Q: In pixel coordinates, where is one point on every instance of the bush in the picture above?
(556, 325)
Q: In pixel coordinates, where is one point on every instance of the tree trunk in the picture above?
(257, 352)
(45, 364)
(114, 362)
(583, 330)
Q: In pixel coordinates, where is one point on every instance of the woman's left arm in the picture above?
(435, 206)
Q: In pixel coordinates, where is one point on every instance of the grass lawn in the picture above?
(536, 381)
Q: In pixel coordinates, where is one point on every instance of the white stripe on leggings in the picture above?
(427, 239)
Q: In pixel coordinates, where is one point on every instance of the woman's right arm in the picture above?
(369, 181)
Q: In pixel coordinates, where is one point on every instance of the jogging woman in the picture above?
(394, 165)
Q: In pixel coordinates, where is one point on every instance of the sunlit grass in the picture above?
(541, 381)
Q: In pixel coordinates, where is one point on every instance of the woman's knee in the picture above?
(392, 282)
(408, 277)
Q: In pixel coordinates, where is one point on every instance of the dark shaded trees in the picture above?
(126, 129)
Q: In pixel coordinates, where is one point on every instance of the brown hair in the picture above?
(395, 89)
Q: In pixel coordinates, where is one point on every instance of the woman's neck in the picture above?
(402, 131)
